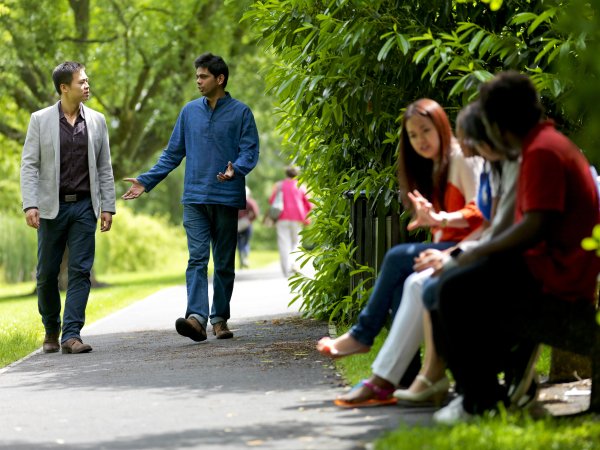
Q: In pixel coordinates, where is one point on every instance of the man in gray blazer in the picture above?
(66, 184)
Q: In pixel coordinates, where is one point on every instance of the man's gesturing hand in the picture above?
(134, 191)
(228, 175)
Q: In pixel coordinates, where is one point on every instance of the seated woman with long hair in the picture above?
(438, 184)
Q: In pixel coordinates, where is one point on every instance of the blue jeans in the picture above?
(387, 293)
(74, 227)
(209, 226)
(429, 293)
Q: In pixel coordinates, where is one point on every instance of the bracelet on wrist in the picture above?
(444, 221)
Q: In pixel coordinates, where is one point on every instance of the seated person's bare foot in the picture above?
(372, 392)
(341, 346)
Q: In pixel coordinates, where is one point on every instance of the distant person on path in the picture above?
(218, 135)
(246, 217)
(293, 218)
(66, 185)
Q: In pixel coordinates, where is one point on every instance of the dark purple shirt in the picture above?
(74, 172)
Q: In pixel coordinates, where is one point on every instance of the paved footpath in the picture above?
(146, 387)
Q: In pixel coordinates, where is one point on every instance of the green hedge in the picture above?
(136, 242)
(18, 249)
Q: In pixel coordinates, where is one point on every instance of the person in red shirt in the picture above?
(535, 273)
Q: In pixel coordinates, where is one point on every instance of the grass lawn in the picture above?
(506, 431)
(21, 330)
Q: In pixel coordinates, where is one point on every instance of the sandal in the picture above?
(434, 393)
(381, 397)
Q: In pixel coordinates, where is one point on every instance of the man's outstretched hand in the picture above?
(134, 191)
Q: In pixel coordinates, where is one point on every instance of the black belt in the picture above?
(70, 198)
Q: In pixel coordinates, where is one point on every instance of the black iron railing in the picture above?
(374, 228)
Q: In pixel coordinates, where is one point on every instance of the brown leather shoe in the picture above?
(51, 343)
(75, 345)
(191, 328)
(221, 331)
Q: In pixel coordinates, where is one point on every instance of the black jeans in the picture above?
(482, 312)
(74, 227)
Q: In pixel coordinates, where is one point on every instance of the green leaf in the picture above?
(589, 244)
(314, 82)
(304, 27)
(544, 17)
(476, 40)
(495, 5)
(385, 49)
(284, 87)
(403, 44)
(483, 75)
(338, 114)
(459, 86)
(551, 45)
(422, 53)
(524, 17)
(596, 232)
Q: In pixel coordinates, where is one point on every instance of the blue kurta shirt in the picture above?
(210, 139)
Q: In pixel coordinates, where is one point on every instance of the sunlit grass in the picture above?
(513, 431)
(21, 330)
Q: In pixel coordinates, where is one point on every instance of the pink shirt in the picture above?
(295, 202)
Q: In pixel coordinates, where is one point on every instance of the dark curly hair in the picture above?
(511, 101)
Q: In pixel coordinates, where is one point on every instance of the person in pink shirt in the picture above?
(293, 217)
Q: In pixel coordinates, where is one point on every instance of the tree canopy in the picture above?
(139, 57)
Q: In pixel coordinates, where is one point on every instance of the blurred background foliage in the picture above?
(326, 79)
(139, 56)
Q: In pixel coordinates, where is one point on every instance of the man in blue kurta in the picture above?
(218, 136)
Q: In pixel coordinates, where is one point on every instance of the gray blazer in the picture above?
(40, 163)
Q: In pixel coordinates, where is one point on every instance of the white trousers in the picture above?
(288, 240)
(406, 333)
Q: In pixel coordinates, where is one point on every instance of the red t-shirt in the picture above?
(555, 176)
